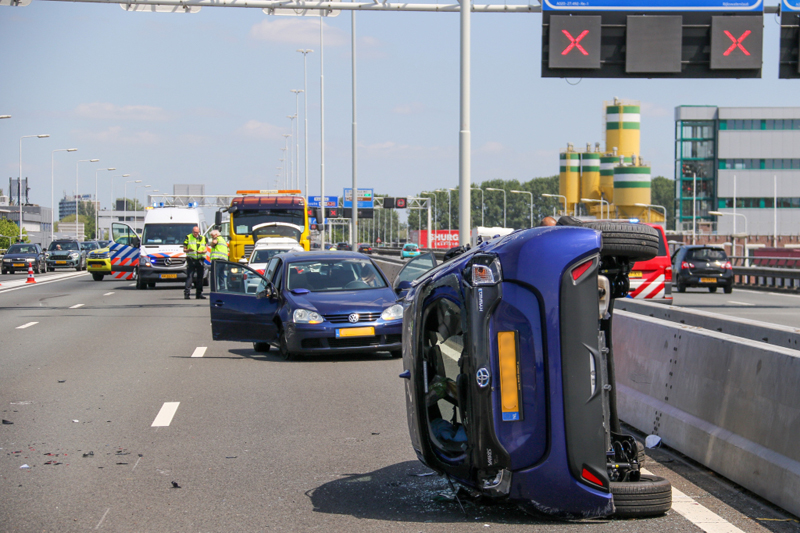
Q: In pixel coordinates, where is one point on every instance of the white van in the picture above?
(161, 257)
(481, 234)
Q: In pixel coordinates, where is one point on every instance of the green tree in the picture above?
(9, 233)
(663, 193)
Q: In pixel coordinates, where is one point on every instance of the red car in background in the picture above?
(652, 280)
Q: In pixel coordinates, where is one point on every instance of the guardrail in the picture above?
(730, 403)
(772, 262)
(767, 277)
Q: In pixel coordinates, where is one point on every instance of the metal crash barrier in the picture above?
(730, 403)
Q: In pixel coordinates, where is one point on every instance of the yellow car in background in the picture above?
(98, 262)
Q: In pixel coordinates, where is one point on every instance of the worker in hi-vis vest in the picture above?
(195, 247)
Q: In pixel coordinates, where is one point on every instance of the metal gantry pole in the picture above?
(322, 125)
(355, 127)
(464, 140)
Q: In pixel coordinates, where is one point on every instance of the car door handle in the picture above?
(218, 303)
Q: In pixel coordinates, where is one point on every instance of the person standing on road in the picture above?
(219, 248)
(195, 247)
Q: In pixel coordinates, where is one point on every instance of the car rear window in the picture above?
(707, 254)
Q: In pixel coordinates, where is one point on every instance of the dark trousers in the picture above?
(194, 268)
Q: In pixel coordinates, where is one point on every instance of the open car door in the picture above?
(414, 269)
(123, 251)
(242, 308)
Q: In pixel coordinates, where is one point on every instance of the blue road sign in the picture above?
(364, 198)
(658, 5)
(330, 201)
(792, 5)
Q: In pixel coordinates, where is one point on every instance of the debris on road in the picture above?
(424, 474)
(25, 466)
(175, 485)
(652, 441)
(76, 421)
(7, 422)
(62, 380)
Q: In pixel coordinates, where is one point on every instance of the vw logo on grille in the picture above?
(483, 378)
(167, 261)
(353, 318)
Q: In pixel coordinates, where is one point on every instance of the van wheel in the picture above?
(712, 289)
(396, 354)
(140, 284)
(636, 242)
(261, 347)
(650, 496)
(97, 276)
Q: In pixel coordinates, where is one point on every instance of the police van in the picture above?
(155, 256)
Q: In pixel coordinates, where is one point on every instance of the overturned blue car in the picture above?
(509, 374)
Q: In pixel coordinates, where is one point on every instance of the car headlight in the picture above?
(394, 312)
(6, 260)
(304, 316)
(74, 255)
(144, 261)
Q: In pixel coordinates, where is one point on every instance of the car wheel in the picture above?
(636, 242)
(78, 268)
(286, 355)
(728, 288)
(650, 496)
(681, 287)
(97, 276)
(151, 285)
(140, 284)
(261, 347)
(712, 289)
(49, 269)
(36, 270)
(396, 354)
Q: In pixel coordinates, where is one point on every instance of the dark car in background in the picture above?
(365, 248)
(20, 255)
(702, 266)
(65, 253)
(307, 303)
(508, 366)
(344, 247)
(90, 246)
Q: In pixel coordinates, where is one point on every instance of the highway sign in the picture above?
(364, 198)
(574, 42)
(654, 5)
(736, 42)
(789, 59)
(330, 201)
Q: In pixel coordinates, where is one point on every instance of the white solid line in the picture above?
(101, 520)
(46, 281)
(164, 416)
(739, 303)
(698, 515)
(137, 464)
(199, 351)
(76, 306)
(770, 293)
(109, 293)
(29, 324)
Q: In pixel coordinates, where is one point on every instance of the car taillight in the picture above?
(728, 266)
(580, 269)
(687, 265)
(668, 274)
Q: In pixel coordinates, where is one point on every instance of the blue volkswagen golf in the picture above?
(509, 370)
(307, 303)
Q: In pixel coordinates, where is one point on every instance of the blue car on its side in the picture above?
(307, 303)
(509, 369)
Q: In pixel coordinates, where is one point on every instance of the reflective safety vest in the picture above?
(195, 247)
(220, 251)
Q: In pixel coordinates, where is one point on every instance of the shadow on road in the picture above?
(272, 356)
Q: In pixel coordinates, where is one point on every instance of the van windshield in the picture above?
(155, 234)
(243, 221)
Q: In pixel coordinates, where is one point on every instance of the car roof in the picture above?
(291, 257)
(699, 246)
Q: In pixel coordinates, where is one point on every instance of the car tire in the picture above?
(650, 496)
(681, 287)
(49, 269)
(151, 285)
(261, 347)
(78, 268)
(635, 242)
(728, 288)
(283, 347)
(140, 284)
(396, 354)
(97, 276)
(712, 289)
(36, 270)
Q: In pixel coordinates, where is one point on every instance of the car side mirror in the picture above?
(243, 261)
(135, 243)
(402, 286)
(268, 292)
(218, 218)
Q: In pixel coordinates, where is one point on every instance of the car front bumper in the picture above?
(63, 263)
(102, 266)
(321, 338)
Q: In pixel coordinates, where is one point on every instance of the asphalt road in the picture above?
(773, 307)
(254, 443)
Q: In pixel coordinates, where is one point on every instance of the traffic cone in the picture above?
(30, 279)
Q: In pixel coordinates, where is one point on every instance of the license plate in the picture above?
(168, 276)
(708, 280)
(635, 274)
(61, 262)
(19, 265)
(356, 332)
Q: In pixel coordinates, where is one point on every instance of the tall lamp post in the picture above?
(432, 231)
(77, 165)
(557, 196)
(125, 199)
(96, 200)
(531, 195)
(113, 200)
(648, 206)
(504, 202)
(19, 189)
(297, 133)
(601, 202)
(483, 205)
(52, 197)
(305, 53)
(291, 151)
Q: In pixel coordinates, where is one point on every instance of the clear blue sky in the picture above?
(203, 98)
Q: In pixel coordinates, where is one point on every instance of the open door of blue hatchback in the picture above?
(243, 304)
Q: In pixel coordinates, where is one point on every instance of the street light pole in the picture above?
(291, 151)
(136, 200)
(52, 181)
(125, 199)
(113, 200)
(77, 165)
(305, 53)
(558, 196)
(483, 205)
(19, 186)
(297, 134)
(354, 219)
(504, 202)
(96, 200)
(531, 195)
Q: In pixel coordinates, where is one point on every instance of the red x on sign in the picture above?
(574, 42)
(737, 43)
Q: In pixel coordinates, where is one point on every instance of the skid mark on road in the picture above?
(164, 416)
(76, 306)
(200, 351)
(29, 324)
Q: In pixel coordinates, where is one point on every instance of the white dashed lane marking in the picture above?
(199, 351)
(132, 285)
(164, 416)
(739, 303)
(109, 293)
(29, 324)
(76, 306)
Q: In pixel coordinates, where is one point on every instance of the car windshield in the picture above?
(263, 256)
(334, 275)
(277, 231)
(166, 233)
(21, 249)
(707, 254)
(89, 246)
(243, 221)
(68, 245)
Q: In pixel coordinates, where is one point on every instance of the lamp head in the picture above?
(72, 149)
(112, 168)
(93, 160)
(126, 175)
(43, 135)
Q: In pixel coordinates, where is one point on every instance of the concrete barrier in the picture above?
(774, 334)
(730, 403)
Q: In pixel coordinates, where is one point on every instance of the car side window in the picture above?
(271, 268)
(233, 278)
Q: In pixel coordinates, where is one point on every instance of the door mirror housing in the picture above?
(218, 218)
(402, 287)
(135, 242)
(267, 292)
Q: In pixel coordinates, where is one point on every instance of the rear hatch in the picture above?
(652, 280)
